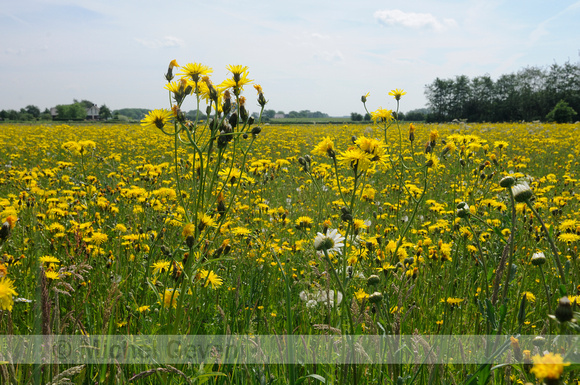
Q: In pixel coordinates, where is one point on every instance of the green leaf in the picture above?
(481, 376)
(315, 376)
(202, 378)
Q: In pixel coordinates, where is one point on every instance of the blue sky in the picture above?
(307, 55)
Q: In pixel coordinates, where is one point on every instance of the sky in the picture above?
(317, 55)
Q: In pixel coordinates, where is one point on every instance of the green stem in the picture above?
(290, 345)
(555, 252)
(345, 303)
(548, 297)
(480, 255)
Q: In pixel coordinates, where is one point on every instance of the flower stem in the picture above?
(555, 252)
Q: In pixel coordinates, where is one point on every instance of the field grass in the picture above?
(123, 230)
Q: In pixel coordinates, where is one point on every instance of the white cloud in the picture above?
(167, 41)
(412, 20)
(335, 56)
(319, 36)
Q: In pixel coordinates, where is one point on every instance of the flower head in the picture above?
(332, 242)
(169, 298)
(157, 118)
(382, 115)
(188, 230)
(47, 259)
(550, 366)
(261, 99)
(161, 267)
(397, 93)
(7, 290)
(373, 147)
(194, 71)
(325, 147)
(355, 158)
(522, 191)
(169, 74)
(49, 274)
(210, 278)
(538, 259)
(238, 80)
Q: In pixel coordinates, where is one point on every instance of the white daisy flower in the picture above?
(332, 242)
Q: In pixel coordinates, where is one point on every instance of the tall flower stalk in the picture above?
(215, 149)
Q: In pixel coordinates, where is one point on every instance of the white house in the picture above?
(93, 112)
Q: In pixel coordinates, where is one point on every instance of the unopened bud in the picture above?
(373, 280)
(376, 297)
(564, 310)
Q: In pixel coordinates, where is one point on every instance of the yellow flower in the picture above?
(52, 274)
(453, 301)
(99, 238)
(210, 278)
(397, 93)
(206, 221)
(157, 118)
(382, 115)
(433, 137)
(188, 230)
(143, 308)
(550, 366)
(530, 297)
(239, 78)
(361, 295)
(365, 97)
(7, 290)
(194, 71)
(48, 259)
(325, 147)
(11, 219)
(242, 231)
(355, 158)
(161, 267)
(304, 222)
(375, 148)
(237, 70)
(500, 144)
(169, 298)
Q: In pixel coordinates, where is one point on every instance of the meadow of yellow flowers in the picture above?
(235, 227)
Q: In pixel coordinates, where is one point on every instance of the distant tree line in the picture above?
(530, 94)
(78, 111)
(356, 117)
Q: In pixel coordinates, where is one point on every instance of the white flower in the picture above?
(329, 298)
(538, 259)
(522, 191)
(310, 304)
(332, 242)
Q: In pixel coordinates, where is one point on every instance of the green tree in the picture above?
(33, 110)
(105, 112)
(562, 113)
(269, 114)
(75, 111)
(85, 103)
(45, 115)
(356, 117)
(13, 115)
